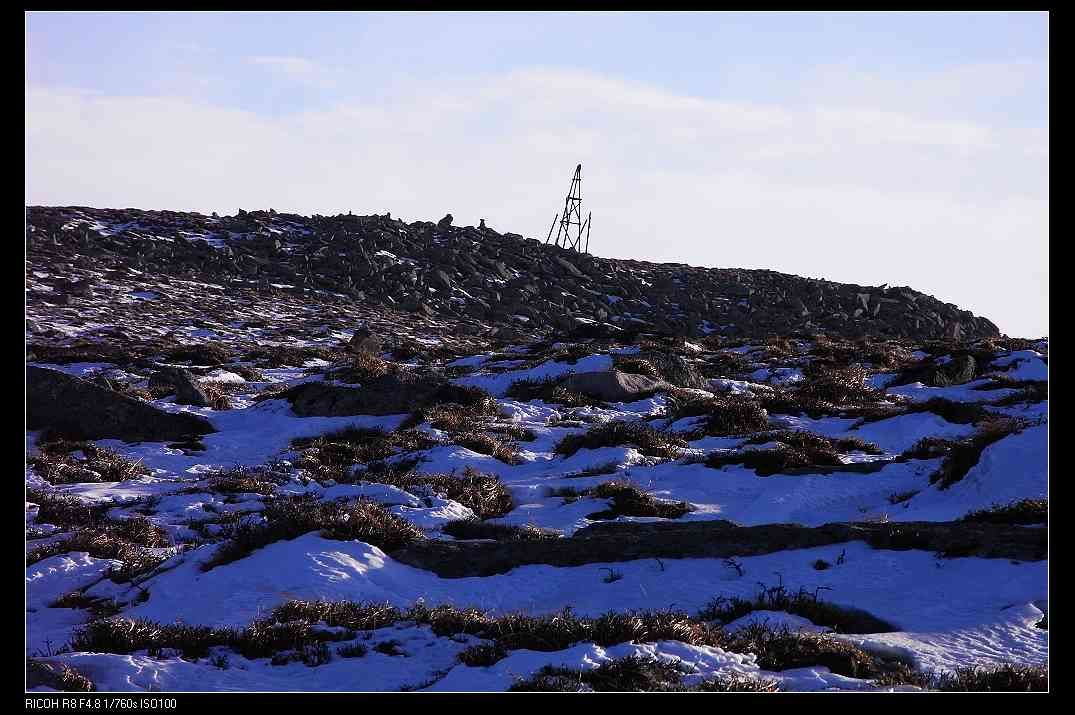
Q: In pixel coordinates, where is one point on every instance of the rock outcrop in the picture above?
(476, 275)
(74, 406)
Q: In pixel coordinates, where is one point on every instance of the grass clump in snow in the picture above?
(332, 455)
(209, 354)
(363, 367)
(633, 674)
(1027, 391)
(290, 517)
(651, 442)
(963, 455)
(1023, 511)
(630, 500)
(826, 390)
(64, 510)
(795, 450)
(477, 529)
(484, 494)
(241, 479)
(724, 415)
(929, 448)
(482, 655)
(505, 450)
(137, 542)
(550, 390)
(64, 461)
(58, 676)
(1002, 678)
(784, 649)
(219, 393)
(801, 603)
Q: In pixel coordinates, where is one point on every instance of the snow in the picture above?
(946, 618)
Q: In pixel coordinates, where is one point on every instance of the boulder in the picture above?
(613, 385)
(364, 341)
(71, 405)
(187, 389)
(445, 223)
(388, 395)
(955, 372)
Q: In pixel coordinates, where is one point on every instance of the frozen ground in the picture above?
(948, 612)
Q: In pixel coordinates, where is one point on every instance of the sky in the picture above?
(871, 148)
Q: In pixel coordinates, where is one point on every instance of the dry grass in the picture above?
(219, 393)
(649, 441)
(964, 454)
(477, 529)
(1002, 678)
(58, 676)
(58, 463)
(797, 450)
(724, 415)
(333, 455)
(1023, 512)
(801, 603)
(630, 500)
(291, 517)
(263, 479)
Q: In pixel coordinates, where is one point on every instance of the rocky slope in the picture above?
(462, 279)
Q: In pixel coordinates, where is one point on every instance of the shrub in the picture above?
(242, 480)
(837, 385)
(630, 674)
(650, 442)
(1023, 511)
(724, 414)
(484, 494)
(963, 455)
(550, 390)
(505, 450)
(477, 529)
(57, 465)
(64, 510)
(783, 650)
(291, 517)
(482, 655)
(58, 676)
(199, 354)
(332, 455)
(630, 500)
(1002, 678)
(634, 674)
(801, 603)
(929, 448)
(219, 393)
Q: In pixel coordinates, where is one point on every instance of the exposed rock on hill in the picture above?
(477, 276)
(74, 406)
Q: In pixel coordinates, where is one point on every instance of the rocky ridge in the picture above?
(462, 279)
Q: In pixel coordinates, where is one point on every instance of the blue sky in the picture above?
(900, 148)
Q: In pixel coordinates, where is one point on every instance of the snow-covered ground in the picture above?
(949, 612)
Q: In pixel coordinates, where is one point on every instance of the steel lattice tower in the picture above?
(572, 219)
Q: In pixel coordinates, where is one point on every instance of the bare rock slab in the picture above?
(67, 404)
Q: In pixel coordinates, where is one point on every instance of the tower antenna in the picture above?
(571, 226)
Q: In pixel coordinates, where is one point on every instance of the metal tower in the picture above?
(572, 219)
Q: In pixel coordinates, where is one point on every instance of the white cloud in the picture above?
(862, 194)
(297, 69)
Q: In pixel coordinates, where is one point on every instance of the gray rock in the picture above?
(389, 395)
(628, 541)
(613, 385)
(958, 371)
(72, 405)
(364, 341)
(187, 389)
